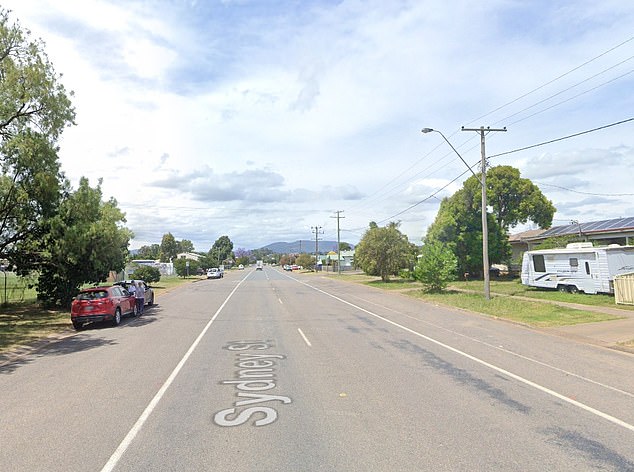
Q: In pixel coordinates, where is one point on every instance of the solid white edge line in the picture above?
(304, 336)
(502, 349)
(123, 446)
(541, 388)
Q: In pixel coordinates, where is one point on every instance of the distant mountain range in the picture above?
(301, 246)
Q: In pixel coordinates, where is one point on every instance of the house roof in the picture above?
(617, 225)
(531, 233)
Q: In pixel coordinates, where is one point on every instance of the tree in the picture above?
(436, 266)
(183, 269)
(152, 252)
(516, 200)
(383, 251)
(305, 260)
(34, 109)
(185, 246)
(458, 225)
(147, 273)
(83, 243)
(345, 247)
(221, 250)
(169, 248)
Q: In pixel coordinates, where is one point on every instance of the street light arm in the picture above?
(430, 130)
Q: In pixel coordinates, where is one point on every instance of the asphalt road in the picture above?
(275, 371)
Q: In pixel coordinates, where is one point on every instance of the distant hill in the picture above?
(301, 246)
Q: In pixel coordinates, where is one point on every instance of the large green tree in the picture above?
(151, 252)
(84, 242)
(515, 199)
(34, 110)
(383, 251)
(458, 225)
(169, 248)
(221, 250)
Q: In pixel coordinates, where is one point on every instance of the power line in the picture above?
(563, 138)
(587, 193)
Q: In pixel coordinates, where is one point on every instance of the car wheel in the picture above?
(78, 325)
(135, 312)
(116, 319)
(151, 301)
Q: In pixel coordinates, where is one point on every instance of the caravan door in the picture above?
(588, 272)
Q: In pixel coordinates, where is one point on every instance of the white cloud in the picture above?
(261, 122)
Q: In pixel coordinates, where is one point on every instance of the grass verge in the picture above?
(527, 312)
(531, 313)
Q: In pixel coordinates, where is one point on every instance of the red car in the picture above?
(102, 304)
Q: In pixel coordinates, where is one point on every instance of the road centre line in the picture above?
(127, 440)
(305, 338)
(501, 349)
(523, 380)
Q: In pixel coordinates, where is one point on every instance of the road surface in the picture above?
(276, 371)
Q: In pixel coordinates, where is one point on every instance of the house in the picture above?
(192, 256)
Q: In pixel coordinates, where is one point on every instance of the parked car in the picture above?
(102, 304)
(214, 273)
(149, 293)
(240, 267)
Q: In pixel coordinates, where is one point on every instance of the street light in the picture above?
(482, 180)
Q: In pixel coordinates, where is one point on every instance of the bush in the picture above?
(436, 266)
(147, 273)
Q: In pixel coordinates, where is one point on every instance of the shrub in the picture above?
(436, 266)
(147, 273)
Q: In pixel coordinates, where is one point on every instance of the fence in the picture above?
(624, 289)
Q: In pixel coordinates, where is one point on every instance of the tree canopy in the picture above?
(169, 248)
(513, 199)
(383, 251)
(34, 109)
(221, 250)
(516, 200)
(84, 242)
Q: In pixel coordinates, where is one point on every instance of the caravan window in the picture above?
(538, 263)
(574, 264)
(587, 268)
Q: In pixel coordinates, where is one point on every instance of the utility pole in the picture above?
(338, 212)
(317, 231)
(485, 229)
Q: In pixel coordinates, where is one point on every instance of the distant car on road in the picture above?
(259, 265)
(240, 267)
(102, 304)
(214, 273)
(149, 293)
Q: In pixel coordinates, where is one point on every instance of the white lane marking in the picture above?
(280, 300)
(123, 446)
(305, 338)
(502, 349)
(541, 388)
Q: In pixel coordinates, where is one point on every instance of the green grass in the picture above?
(503, 306)
(515, 287)
(522, 311)
(24, 323)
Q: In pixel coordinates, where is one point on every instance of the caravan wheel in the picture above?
(562, 288)
(573, 289)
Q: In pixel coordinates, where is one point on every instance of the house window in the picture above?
(538, 263)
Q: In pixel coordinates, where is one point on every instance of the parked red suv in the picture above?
(102, 304)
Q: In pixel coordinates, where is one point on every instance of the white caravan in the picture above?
(578, 267)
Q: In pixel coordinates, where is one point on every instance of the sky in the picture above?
(264, 120)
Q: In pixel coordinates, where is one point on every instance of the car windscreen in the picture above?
(92, 295)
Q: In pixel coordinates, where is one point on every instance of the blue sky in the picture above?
(259, 119)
